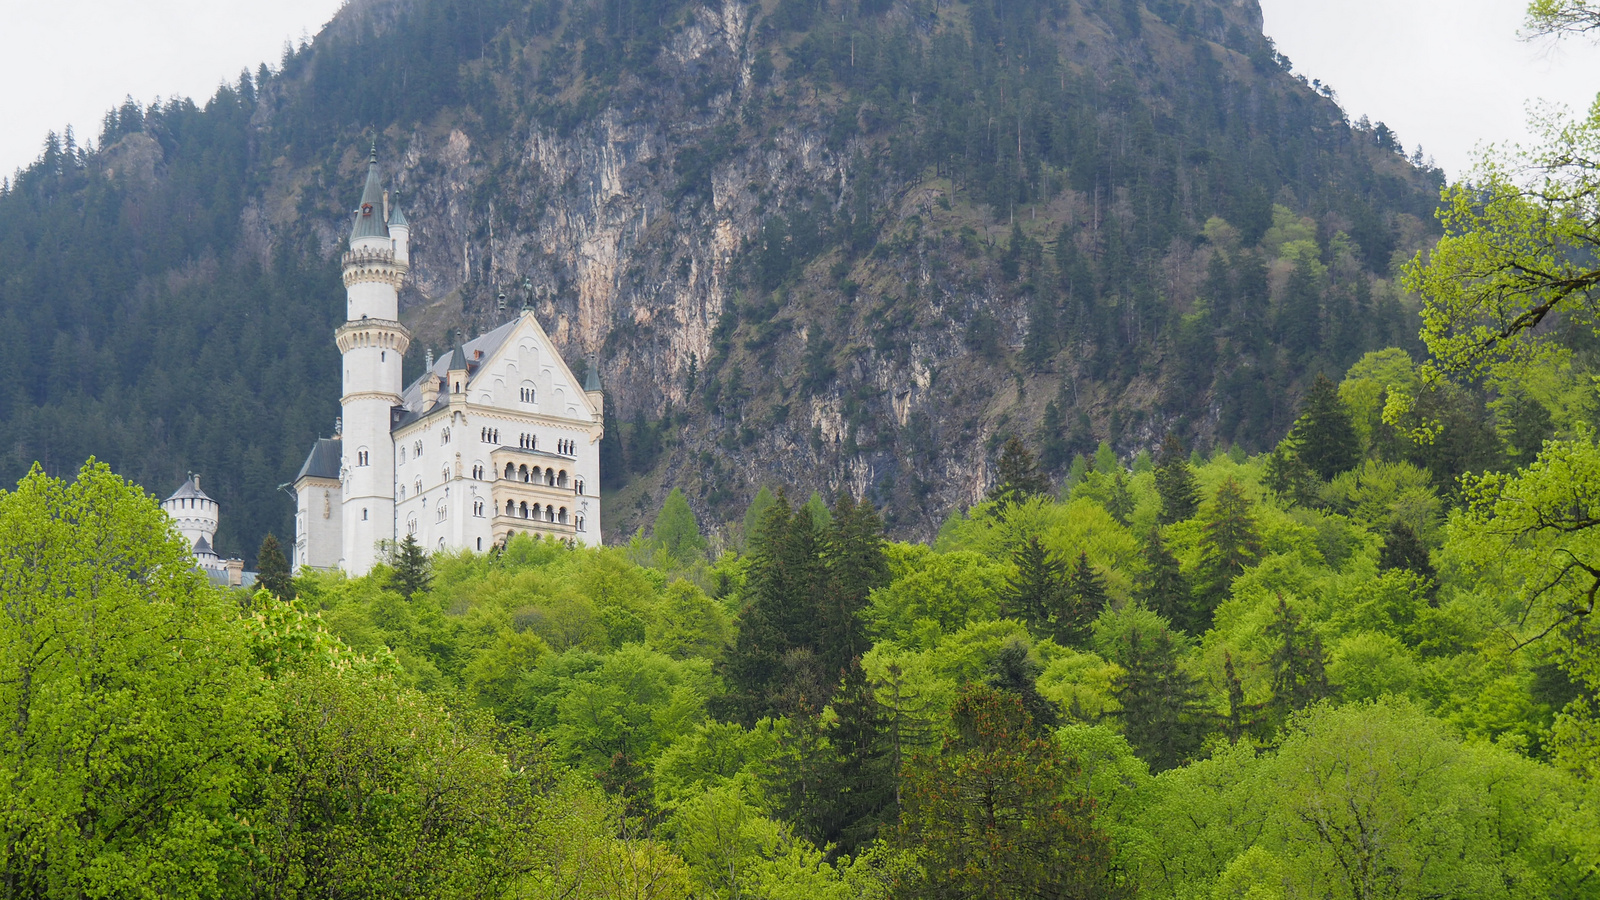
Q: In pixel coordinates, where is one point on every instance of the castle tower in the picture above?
(194, 512)
(371, 342)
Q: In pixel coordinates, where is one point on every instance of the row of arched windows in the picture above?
(546, 513)
(528, 441)
(536, 475)
(566, 447)
(489, 435)
(529, 395)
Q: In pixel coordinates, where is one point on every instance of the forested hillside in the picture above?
(855, 243)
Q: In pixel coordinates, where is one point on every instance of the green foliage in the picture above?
(273, 569)
(1180, 496)
(412, 568)
(677, 532)
(1017, 477)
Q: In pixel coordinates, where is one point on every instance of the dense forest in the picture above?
(856, 243)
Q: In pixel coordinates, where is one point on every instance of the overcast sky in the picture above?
(1445, 74)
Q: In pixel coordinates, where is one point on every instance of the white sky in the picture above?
(1443, 73)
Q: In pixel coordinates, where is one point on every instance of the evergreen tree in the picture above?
(677, 532)
(852, 552)
(1163, 587)
(1054, 450)
(273, 569)
(1175, 484)
(1037, 589)
(1016, 671)
(1162, 714)
(1229, 543)
(759, 505)
(994, 814)
(1288, 477)
(863, 777)
(1298, 676)
(1017, 477)
(1403, 549)
(1120, 503)
(1324, 437)
(1085, 597)
(413, 570)
(1236, 705)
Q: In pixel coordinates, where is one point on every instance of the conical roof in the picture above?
(369, 218)
(189, 490)
(591, 380)
(458, 357)
(397, 219)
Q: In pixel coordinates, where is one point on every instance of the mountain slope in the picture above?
(825, 244)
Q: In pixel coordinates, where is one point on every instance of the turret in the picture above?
(399, 232)
(194, 513)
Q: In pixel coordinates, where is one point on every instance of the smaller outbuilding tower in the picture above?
(195, 513)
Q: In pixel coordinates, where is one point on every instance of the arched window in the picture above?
(562, 515)
(441, 545)
(550, 477)
(411, 525)
(402, 455)
(523, 508)
(522, 472)
(361, 457)
(579, 521)
(418, 485)
(549, 513)
(444, 474)
(416, 449)
(363, 513)
(477, 471)
(402, 492)
(477, 508)
(511, 508)
(510, 471)
(529, 395)
(444, 436)
(577, 485)
(561, 479)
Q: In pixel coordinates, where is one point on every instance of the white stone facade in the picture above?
(496, 438)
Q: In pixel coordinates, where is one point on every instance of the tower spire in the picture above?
(369, 217)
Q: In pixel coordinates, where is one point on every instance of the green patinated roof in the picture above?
(369, 217)
(397, 219)
(591, 380)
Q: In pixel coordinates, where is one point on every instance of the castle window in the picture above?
(383, 356)
(480, 543)
(562, 516)
(561, 480)
(363, 513)
(523, 508)
(510, 471)
(441, 545)
(529, 395)
(511, 508)
(578, 521)
(416, 449)
(444, 474)
(411, 525)
(477, 471)
(477, 508)
(361, 457)
(402, 492)
(444, 436)
(402, 456)
(418, 485)
(577, 485)
(440, 512)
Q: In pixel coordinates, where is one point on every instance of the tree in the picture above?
(852, 554)
(1016, 671)
(1163, 587)
(132, 716)
(1230, 542)
(862, 777)
(413, 570)
(677, 532)
(1120, 503)
(1085, 596)
(993, 814)
(1038, 587)
(273, 569)
(1298, 674)
(1288, 477)
(1162, 716)
(1017, 477)
(1402, 549)
(1324, 437)
(1180, 496)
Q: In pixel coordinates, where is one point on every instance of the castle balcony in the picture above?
(505, 527)
(373, 264)
(383, 334)
(534, 468)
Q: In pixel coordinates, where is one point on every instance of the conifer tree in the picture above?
(863, 777)
(1085, 597)
(1236, 705)
(852, 552)
(1324, 437)
(1015, 671)
(1163, 587)
(1053, 447)
(1017, 477)
(1402, 549)
(273, 574)
(1175, 484)
(1288, 477)
(1298, 676)
(1162, 716)
(1120, 503)
(413, 570)
(1229, 544)
(677, 532)
(1038, 588)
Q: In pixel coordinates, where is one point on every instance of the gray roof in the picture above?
(369, 217)
(397, 219)
(189, 491)
(591, 380)
(481, 347)
(323, 461)
(460, 359)
(202, 547)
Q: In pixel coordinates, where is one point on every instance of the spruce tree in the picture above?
(1229, 543)
(1085, 597)
(1037, 589)
(1163, 718)
(1120, 503)
(677, 532)
(1163, 587)
(852, 553)
(1402, 549)
(1014, 670)
(1323, 436)
(1288, 477)
(1298, 675)
(413, 570)
(1054, 450)
(273, 574)
(863, 775)
(1017, 477)
(1175, 484)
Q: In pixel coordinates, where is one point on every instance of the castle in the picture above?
(496, 437)
(197, 517)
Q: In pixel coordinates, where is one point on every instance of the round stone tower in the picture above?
(195, 513)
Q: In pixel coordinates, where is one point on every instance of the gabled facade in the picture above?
(496, 438)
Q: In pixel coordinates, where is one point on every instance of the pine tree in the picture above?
(273, 574)
(1038, 588)
(1163, 587)
(1298, 676)
(1017, 478)
(413, 570)
(1288, 477)
(852, 552)
(1085, 597)
(1236, 705)
(1402, 549)
(1175, 484)
(863, 777)
(1120, 503)
(677, 532)
(1323, 436)
(1053, 447)
(1229, 544)
(1162, 715)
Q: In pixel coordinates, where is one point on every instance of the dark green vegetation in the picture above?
(1086, 220)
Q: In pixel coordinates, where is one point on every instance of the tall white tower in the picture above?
(371, 341)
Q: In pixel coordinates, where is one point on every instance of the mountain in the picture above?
(819, 243)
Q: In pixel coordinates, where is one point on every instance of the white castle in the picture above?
(496, 438)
